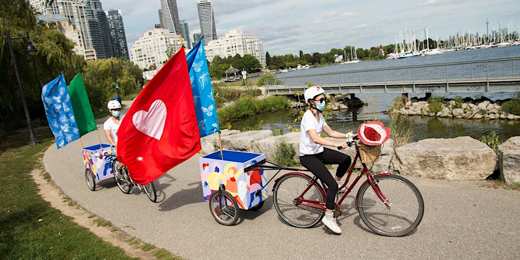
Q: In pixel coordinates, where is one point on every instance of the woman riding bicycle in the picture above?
(314, 156)
(111, 125)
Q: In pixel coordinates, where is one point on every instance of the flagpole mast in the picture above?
(99, 138)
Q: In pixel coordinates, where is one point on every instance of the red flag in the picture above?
(160, 129)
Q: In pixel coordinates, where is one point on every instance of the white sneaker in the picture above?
(342, 190)
(331, 224)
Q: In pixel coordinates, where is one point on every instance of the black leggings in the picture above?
(316, 164)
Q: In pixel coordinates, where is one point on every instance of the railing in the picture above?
(469, 76)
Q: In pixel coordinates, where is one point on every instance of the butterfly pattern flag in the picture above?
(202, 91)
(59, 112)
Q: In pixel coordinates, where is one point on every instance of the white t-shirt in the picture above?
(113, 127)
(307, 146)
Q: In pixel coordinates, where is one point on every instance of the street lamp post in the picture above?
(31, 50)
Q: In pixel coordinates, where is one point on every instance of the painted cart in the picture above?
(98, 164)
(233, 183)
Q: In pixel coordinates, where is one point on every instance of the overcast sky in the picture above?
(288, 26)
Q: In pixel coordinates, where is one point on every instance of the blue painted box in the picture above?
(240, 174)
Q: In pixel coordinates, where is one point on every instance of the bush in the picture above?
(491, 140)
(284, 153)
(458, 102)
(512, 106)
(249, 106)
(436, 103)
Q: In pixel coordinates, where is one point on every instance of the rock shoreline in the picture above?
(461, 158)
(469, 109)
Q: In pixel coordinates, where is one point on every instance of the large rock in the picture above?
(210, 143)
(510, 152)
(268, 146)
(244, 141)
(462, 158)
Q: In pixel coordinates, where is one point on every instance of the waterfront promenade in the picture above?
(462, 220)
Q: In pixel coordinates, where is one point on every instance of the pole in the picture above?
(33, 139)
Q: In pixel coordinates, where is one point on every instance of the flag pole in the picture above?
(99, 138)
(220, 145)
(81, 143)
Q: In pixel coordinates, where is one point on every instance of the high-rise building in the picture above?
(117, 32)
(150, 50)
(185, 31)
(195, 36)
(207, 20)
(88, 18)
(236, 42)
(169, 16)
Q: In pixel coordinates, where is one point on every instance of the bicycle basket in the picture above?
(369, 154)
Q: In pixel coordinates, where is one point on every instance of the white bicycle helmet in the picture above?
(114, 104)
(312, 92)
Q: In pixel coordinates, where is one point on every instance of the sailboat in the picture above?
(429, 52)
(354, 55)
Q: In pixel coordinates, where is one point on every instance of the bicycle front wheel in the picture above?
(224, 208)
(121, 178)
(149, 189)
(403, 213)
(286, 193)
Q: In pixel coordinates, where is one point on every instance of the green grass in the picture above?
(29, 227)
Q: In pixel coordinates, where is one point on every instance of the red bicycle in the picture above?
(388, 204)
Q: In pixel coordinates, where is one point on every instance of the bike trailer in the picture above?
(240, 174)
(94, 158)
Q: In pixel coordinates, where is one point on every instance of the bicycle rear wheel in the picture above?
(121, 178)
(149, 189)
(286, 192)
(224, 208)
(405, 210)
(91, 179)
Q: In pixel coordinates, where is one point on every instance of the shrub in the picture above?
(512, 106)
(436, 103)
(398, 104)
(284, 153)
(458, 102)
(492, 140)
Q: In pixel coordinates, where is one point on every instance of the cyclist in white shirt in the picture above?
(314, 156)
(111, 125)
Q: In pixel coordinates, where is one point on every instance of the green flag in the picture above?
(81, 106)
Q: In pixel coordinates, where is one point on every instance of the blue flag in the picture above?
(59, 112)
(202, 91)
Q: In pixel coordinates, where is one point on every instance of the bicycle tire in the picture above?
(285, 193)
(122, 182)
(224, 208)
(149, 189)
(91, 179)
(406, 206)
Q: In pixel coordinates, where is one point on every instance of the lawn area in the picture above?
(29, 227)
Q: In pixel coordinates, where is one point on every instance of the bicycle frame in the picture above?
(323, 188)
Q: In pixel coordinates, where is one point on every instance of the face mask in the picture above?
(116, 113)
(320, 106)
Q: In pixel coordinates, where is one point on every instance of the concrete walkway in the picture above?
(462, 220)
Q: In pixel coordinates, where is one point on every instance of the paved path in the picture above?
(462, 220)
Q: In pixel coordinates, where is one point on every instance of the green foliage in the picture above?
(284, 153)
(218, 66)
(512, 106)
(248, 106)
(225, 93)
(436, 103)
(492, 140)
(397, 105)
(267, 79)
(458, 102)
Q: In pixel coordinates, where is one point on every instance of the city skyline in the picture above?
(286, 27)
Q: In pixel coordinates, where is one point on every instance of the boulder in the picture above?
(462, 158)
(483, 105)
(268, 146)
(510, 161)
(458, 112)
(210, 143)
(244, 141)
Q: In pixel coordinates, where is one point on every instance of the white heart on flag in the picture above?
(151, 122)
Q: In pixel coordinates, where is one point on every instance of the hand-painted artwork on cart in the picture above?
(230, 173)
(95, 159)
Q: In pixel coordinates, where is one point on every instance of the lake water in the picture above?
(423, 127)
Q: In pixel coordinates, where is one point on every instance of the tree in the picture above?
(301, 54)
(267, 59)
(248, 63)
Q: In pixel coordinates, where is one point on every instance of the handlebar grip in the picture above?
(339, 147)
